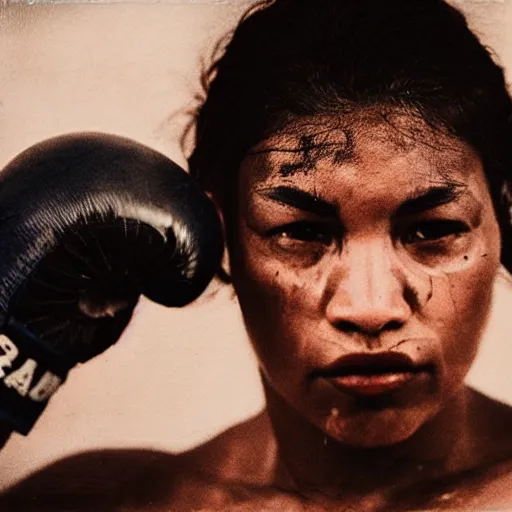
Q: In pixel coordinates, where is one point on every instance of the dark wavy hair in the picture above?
(290, 58)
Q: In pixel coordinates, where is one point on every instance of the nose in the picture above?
(369, 292)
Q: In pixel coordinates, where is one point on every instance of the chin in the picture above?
(376, 429)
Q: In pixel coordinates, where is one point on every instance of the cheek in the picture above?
(459, 310)
(279, 306)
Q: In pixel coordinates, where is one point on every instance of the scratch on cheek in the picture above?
(450, 289)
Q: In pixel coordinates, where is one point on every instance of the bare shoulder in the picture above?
(492, 485)
(493, 427)
(246, 453)
(115, 480)
(487, 484)
(496, 489)
(488, 488)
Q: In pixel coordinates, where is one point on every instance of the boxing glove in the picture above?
(88, 223)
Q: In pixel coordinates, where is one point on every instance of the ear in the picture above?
(225, 270)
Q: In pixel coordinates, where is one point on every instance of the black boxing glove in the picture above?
(88, 223)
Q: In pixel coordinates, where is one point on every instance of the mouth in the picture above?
(368, 375)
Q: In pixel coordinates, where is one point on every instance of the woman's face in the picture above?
(363, 259)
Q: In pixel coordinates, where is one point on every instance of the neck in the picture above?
(310, 460)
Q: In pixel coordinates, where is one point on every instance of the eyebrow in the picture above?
(300, 199)
(421, 201)
(428, 199)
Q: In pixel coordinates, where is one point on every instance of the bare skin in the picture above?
(238, 471)
(372, 236)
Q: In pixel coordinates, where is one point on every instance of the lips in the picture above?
(369, 375)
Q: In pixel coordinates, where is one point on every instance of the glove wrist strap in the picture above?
(30, 372)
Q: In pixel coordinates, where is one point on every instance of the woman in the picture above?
(358, 152)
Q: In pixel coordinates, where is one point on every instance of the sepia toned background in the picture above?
(177, 377)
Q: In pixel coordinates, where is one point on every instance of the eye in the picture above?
(314, 232)
(433, 231)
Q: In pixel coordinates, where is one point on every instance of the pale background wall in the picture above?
(178, 376)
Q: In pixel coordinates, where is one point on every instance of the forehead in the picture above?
(372, 144)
